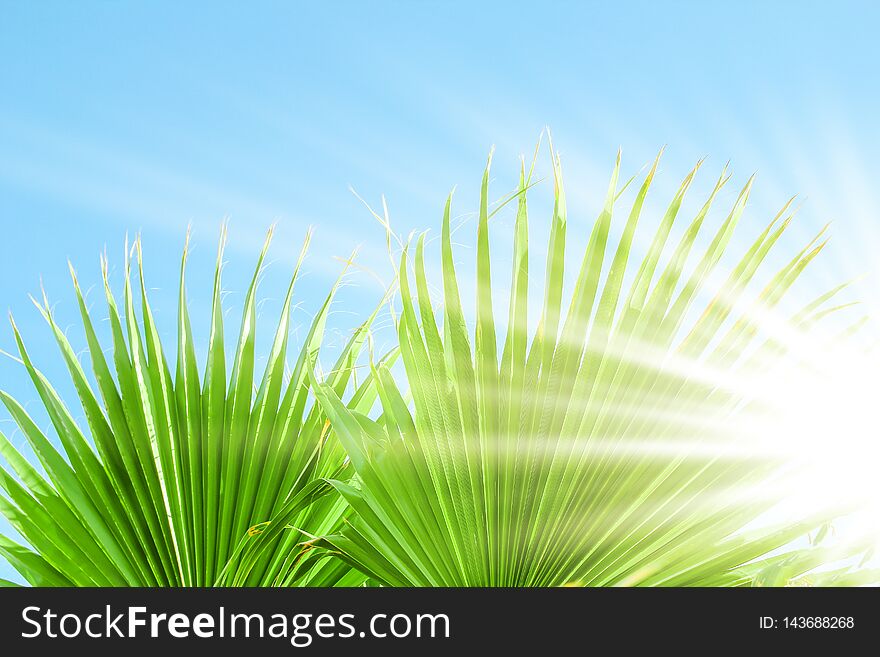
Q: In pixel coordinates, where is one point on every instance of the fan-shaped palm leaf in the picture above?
(594, 451)
(180, 478)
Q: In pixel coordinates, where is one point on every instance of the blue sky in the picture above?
(126, 117)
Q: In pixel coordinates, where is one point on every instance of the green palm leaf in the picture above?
(592, 451)
(182, 478)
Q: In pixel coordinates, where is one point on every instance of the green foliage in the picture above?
(183, 478)
(593, 451)
(599, 448)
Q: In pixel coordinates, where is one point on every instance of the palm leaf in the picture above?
(593, 450)
(184, 477)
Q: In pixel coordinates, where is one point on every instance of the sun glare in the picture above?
(824, 424)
